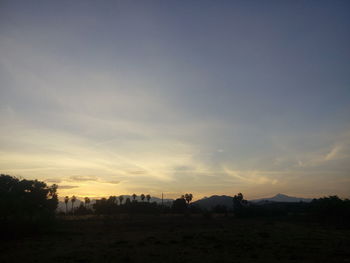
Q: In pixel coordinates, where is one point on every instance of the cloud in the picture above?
(112, 182)
(138, 172)
(183, 168)
(67, 186)
(335, 153)
(327, 157)
(251, 177)
(90, 178)
(85, 178)
(54, 181)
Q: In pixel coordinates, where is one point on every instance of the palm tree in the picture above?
(148, 197)
(66, 200)
(87, 202)
(134, 197)
(188, 198)
(121, 198)
(143, 197)
(73, 199)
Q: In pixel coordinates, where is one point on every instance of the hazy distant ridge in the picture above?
(210, 202)
(282, 198)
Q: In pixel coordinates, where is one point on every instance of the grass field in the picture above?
(181, 239)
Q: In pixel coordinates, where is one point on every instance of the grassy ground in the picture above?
(180, 239)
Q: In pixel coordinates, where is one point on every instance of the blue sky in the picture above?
(208, 97)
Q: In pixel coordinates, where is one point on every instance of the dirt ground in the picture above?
(180, 239)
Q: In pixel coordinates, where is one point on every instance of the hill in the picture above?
(212, 201)
(282, 198)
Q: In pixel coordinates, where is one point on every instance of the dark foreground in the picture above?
(181, 239)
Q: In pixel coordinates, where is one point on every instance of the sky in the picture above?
(208, 97)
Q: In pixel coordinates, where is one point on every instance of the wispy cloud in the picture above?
(112, 182)
(55, 181)
(79, 178)
(138, 172)
(251, 177)
(335, 153)
(67, 186)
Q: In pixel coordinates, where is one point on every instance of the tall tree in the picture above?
(188, 198)
(73, 199)
(134, 197)
(66, 200)
(87, 202)
(143, 197)
(238, 203)
(148, 197)
(121, 198)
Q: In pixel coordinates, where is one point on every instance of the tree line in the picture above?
(124, 204)
(34, 201)
(110, 205)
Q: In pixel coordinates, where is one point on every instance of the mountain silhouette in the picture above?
(282, 198)
(214, 200)
(224, 200)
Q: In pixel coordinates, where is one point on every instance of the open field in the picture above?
(181, 239)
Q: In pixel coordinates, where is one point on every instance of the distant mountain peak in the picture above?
(282, 198)
(281, 195)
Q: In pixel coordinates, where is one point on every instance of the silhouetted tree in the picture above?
(121, 198)
(87, 202)
(188, 198)
(238, 203)
(112, 200)
(331, 207)
(111, 204)
(134, 197)
(81, 210)
(143, 197)
(66, 200)
(26, 199)
(148, 197)
(73, 199)
(101, 206)
(179, 205)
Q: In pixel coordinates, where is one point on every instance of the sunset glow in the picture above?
(150, 98)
